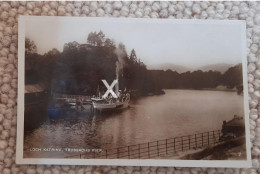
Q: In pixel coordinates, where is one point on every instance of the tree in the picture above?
(233, 77)
(71, 46)
(31, 62)
(96, 39)
(100, 38)
(133, 56)
(30, 47)
(54, 52)
(109, 43)
(92, 38)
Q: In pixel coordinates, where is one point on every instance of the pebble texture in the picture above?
(9, 12)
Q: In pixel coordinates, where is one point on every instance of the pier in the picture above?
(156, 149)
(72, 98)
(77, 101)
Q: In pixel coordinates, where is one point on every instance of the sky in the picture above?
(190, 44)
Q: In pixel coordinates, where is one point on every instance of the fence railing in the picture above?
(156, 149)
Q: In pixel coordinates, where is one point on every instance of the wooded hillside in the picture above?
(79, 68)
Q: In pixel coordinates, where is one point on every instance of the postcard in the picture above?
(136, 92)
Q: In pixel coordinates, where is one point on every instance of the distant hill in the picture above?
(173, 67)
(221, 67)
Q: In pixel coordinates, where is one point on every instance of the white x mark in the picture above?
(109, 89)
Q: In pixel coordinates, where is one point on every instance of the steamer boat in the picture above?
(111, 103)
(112, 100)
(120, 101)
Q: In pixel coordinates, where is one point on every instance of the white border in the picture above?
(126, 162)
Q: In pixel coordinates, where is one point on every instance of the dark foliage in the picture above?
(80, 68)
(233, 77)
(189, 80)
(30, 47)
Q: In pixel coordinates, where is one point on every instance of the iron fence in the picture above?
(156, 149)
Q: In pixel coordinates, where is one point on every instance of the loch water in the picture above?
(177, 113)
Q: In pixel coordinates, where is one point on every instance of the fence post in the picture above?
(208, 138)
(214, 137)
(166, 146)
(189, 142)
(174, 144)
(196, 141)
(128, 151)
(218, 135)
(139, 151)
(80, 156)
(148, 150)
(181, 143)
(202, 139)
(106, 153)
(117, 152)
(158, 148)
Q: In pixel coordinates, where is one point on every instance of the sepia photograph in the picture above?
(106, 91)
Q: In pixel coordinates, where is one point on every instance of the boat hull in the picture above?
(114, 106)
(103, 106)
